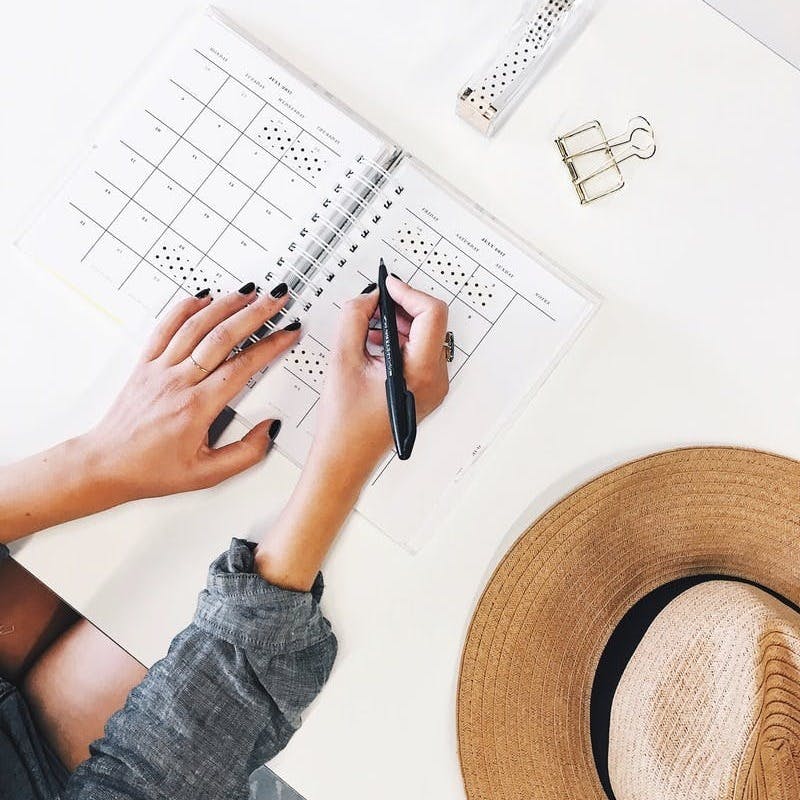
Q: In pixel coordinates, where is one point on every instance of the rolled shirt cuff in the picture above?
(242, 608)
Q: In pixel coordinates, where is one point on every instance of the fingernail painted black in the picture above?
(395, 276)
(247, 288)
(274, 429)
(203, 293)
(279, 290)
(370, 288)
(293, 326)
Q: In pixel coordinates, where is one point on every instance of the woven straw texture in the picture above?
(709, 704)
(554, 600)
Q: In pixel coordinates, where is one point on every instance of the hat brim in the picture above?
(552, 603)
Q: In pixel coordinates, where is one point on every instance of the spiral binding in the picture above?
(345, 213)
(343, 235)
(362, 159)
(318, 246)
(338, 232)
(329, 276)
(304, 277)
(352, 195)
(328, 248)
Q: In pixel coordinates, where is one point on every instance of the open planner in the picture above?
(225, 165)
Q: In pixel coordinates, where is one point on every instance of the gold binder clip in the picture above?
(593, 159)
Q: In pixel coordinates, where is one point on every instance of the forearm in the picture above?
(63, 483)
(292, 551)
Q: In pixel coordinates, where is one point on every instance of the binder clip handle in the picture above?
(593, 159)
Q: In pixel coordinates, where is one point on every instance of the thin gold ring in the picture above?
(199, 366)
(449, 346)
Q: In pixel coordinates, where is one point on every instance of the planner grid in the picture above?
(428, 260)
(169, 234)
(229, 166)
(221, 176)
(476, 298)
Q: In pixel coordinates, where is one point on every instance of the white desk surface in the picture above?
(698, 340)
(775, 23)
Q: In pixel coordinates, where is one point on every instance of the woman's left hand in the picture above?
(154, 439)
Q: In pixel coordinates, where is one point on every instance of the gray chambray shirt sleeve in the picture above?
(227, 697)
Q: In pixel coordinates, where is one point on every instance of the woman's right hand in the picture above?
(353, 431)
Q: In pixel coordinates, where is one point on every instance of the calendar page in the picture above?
(224, 166)
(512, 315)
(212, 165)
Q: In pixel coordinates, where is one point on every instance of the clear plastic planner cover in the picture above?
(223, 165)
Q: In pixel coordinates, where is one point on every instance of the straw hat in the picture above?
(708, 705)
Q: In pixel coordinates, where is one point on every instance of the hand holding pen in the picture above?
(353, 429)
(399, 400)
(353, 433)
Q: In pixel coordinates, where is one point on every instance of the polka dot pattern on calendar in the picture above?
(428, 261)
(414, 240)
(448, 266)
(223, 165)
(209, 176)
(308, 361)
(307, 157)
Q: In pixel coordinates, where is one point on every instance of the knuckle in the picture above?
(150, 351)
(439, 309)
(266, 303)
(192, 400)
(247, 360)
(186, 402)
(180, 313)
(166, 382)
(253, 453)
(238, 369)
(423, 384)
(432, 385)
(191, 327)
(350, 306)
(186, 306)
(221, 336)
(155, 343)
(160, 331)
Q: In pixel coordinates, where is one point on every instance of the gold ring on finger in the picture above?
(199, 366)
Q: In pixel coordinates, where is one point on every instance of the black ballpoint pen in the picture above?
(402, 410)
